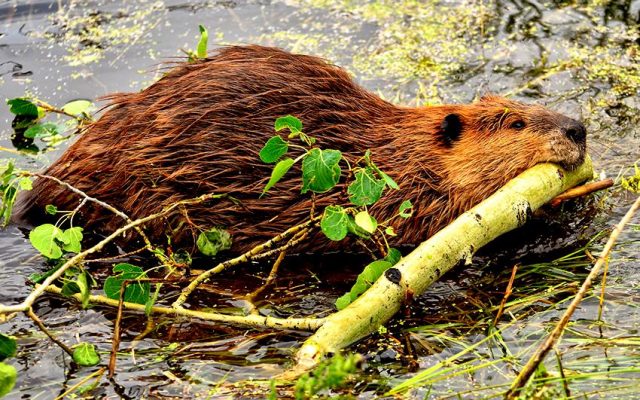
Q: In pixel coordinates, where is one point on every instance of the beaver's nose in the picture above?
(575, 131)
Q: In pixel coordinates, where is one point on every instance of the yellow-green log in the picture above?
(505, 210)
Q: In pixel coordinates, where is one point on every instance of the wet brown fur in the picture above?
(199, 130)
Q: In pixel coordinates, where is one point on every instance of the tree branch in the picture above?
(505, 210)
(256, 321)
(33, 296)
(255, 253)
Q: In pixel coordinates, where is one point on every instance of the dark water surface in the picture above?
(581, 58)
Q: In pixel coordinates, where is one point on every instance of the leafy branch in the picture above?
(321, 172)
(30, 113)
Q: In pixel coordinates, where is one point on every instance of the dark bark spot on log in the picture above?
(393, 275)
(438, 272)
(560, 173)
(524, 213)
(478, 217)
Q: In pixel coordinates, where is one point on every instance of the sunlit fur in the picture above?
(200, 128)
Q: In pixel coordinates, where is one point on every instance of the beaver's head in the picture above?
(504, 131)
(489, 142)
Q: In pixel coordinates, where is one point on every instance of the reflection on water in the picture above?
(581, 59)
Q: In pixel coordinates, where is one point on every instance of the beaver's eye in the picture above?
(517, 125)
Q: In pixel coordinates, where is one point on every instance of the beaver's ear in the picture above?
(450, 129)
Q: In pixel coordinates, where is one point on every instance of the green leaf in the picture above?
(201, 50)
(84, 285)
(387, 179)
(8, 200)
(8, 376)
(51, 209)
(71, 238)
(23, 107)
(127, 268)
(374, 270)
(22, 123)
(278, 172)
(70, 288)
(393, 256)
(353, 228)
(366, 221)
(290, 122)
(8, 347)
(25, 183)
(343, 301)
(406, 209)
(43, 239)
(7, 173)
(275, 148)
(390, 231)
(364, 281)
(136, 292)
(45, 130)
(366, 189)
(85, 355)
(334, 223)
(9, 192)
(37, 277)
(181, 256)
(320, 170)
(359, 287)
(213, 241)
(77, 107)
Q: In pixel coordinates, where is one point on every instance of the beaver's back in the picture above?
(199, 130)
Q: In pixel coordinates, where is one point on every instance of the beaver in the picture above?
(199, 130)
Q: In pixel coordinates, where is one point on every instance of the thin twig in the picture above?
(272, 276)
(50, 108)
(248, 256)
(507, 293)
(13, 151)
(257, 321)
(44, 329)
(295, 240)
(117, 327)
(115, 343)
(580, 191)
(78, 192)
(118, 257)
(101, 203)
(603, 286)
(37, 292)
(80, 383)
(551, 340)
(565, 384)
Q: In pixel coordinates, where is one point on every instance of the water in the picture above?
(580, 59)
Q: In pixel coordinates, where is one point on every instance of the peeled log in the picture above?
(507, 209)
